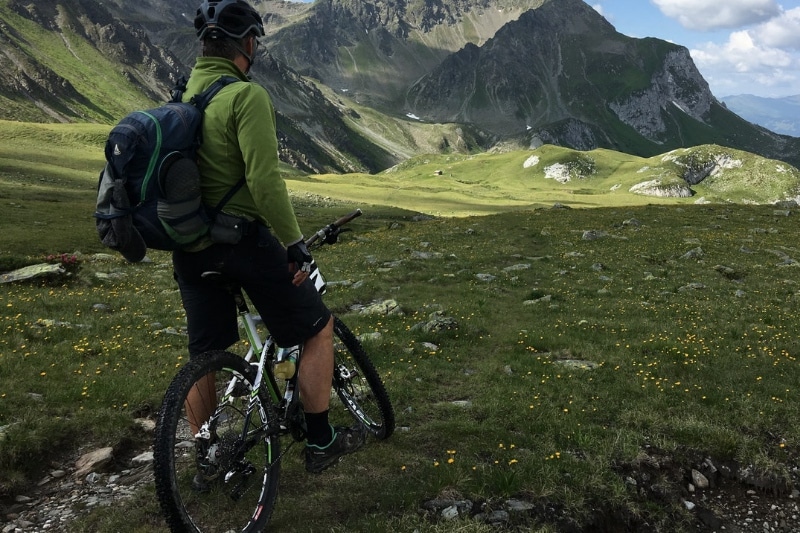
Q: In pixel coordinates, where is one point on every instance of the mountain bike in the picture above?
(224, 476)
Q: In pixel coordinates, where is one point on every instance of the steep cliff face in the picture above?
(677, 84)
(64, 78)
(509, 72)
(375, 49)
(561, 74)
(120, 41)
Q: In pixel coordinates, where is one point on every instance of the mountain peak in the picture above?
(363, 84)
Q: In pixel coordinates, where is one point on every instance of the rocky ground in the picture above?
(719, 497)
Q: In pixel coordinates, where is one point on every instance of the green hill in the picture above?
(458, 185)
(65, 73)
(50, 162)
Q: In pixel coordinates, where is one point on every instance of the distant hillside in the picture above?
(459, 185)
(72, 61)
(523, 72)
(561, 74)
(361, 85)
(781, 115)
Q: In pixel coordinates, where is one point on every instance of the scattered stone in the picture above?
(699, 480)
(576, 364)
(543, 299)
(437, 322)
(727, 271)
(497, 517)
(521, 266)
(146, 424)
(170, 331)
(519, 506)
(450, 513)
(106, 276)
(384, 307)
(143, 459)
(426, 255)
(42, 270)
(593, 235)
(695, 253)
(93, 460)
(102, 257)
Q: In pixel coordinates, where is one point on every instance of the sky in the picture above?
(739, 46)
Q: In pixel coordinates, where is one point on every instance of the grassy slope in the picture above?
(706, 368)
(48, 180)
(44, 168)
(100, 80)
(490, 183)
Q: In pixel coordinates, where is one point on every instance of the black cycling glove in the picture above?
(298, 254)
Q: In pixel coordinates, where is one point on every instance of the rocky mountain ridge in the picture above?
(360, 85)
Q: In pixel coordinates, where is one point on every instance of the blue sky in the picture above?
(739, 46)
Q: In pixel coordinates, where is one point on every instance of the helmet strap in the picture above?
(250, 57)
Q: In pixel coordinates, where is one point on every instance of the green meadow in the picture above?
(586, 341)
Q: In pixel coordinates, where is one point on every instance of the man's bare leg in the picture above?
(201, 402)
(316, 371)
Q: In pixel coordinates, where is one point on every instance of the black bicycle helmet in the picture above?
(227, 18)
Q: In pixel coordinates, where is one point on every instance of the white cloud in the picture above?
(598, 8)
(782, 31)
(745, 62)
(743, 53)
(705, 15)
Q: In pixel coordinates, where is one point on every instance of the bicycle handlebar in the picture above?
(332, 230)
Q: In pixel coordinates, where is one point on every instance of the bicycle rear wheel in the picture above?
(358, 386)
(227, 480)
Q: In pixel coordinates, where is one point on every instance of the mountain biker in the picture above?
(239, 139)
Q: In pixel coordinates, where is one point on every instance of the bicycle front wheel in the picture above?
(221, 476)
(358, 385)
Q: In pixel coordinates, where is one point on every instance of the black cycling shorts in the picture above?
(259, 263)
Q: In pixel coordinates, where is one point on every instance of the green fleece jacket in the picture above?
(239, 139)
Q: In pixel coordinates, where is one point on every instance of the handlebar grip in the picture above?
(347, 218)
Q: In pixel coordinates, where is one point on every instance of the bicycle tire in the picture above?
(224, 506)
(359, 387)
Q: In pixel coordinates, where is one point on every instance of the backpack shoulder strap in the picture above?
(176, 94)
(200, 101)
(225, 199)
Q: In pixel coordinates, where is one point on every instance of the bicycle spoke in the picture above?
(358, 387)
(223, 477)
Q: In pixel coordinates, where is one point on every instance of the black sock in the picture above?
(320, 432)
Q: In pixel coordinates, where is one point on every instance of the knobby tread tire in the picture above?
(167, 490)
(369, 372)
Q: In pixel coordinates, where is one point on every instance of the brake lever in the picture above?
(333, 236)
